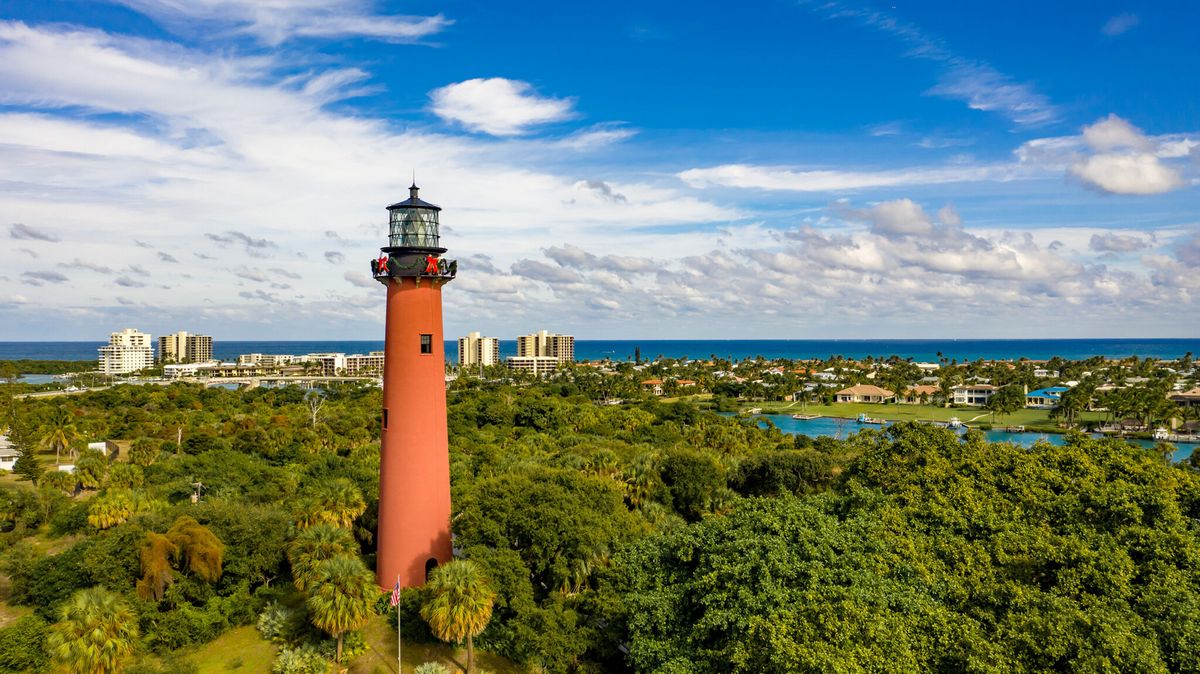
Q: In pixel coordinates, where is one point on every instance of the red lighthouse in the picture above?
(414, 465)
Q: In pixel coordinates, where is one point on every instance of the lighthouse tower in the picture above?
(414, 465)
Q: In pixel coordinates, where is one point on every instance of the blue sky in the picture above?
(643, 170)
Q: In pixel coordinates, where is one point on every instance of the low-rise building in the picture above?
(654, 386)
(1045, 398)
(1189, 398)
(184, 370)
(864, 393)
(974, 395)
(538, 365)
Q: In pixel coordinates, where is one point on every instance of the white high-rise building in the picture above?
(474, 350)
(184, 347)
(546, 344)
(127, 351)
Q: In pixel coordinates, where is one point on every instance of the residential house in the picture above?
(916, 395)
(1045, 398)
(864, 393)
(654, 386)
(1189, 398)
(975, 395)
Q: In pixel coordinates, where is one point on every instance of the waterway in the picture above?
(841, 428)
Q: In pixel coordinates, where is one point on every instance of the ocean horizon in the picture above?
(735, 349)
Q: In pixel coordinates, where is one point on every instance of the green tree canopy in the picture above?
(95, 633)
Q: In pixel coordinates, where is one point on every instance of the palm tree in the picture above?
(59, 432)
(111, 509)
(460, 604)
(95, 632)
(338, 503)
(342, 598)
(315, 545)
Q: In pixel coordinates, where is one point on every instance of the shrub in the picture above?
(303, 660)
(431, 668)
(22, 645)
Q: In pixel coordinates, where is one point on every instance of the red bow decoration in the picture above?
(381, 265)
(431, 264)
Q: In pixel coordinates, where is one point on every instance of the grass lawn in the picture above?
(238, 650)
(893, 412)
(381, 654)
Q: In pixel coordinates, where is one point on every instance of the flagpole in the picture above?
(400, 660)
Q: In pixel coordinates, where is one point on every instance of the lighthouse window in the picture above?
(426, 343)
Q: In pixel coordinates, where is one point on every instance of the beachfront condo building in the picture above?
(127, 351)
(539, 365)
(185, 347)
(476, 351)
(545, 344)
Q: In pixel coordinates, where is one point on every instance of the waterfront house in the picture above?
(916, 395)
(1045, 398)
(864, 393)
(8, 454)
(1189, 398)
(975, 395)
(654, 386)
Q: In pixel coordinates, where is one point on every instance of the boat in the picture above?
(864, 419)
(806, 417)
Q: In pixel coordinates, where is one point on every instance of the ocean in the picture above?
(737, 349)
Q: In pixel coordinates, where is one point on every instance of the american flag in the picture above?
(396, 593)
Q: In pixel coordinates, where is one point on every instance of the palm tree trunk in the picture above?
(470, 654)
(338, 659)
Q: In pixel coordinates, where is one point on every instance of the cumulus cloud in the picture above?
(1140, 173)
(126, 282)
(498, 106)
(1114, 156)
(334, 257)
(276, 22)
(167, 257)
(540, 271)
(22, 231)
(1119, 24)
(1188, 251)
(1118, 243)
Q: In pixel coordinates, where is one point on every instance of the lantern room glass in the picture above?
(413, 228)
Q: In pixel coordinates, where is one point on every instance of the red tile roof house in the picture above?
(864, 393)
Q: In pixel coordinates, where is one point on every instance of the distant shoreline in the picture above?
(700, 349)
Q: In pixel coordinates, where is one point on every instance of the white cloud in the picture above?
(1141, 173)
(788, 179)
(238, 160)
(275, 21)
(1113, 133)
(1119, 24)
(1114, 156)
(498, 106)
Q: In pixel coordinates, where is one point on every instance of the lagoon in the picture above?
(838, 428)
